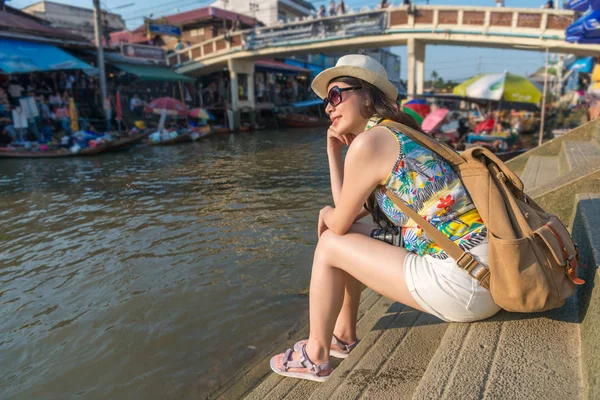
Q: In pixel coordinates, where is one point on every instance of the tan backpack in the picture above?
(532, 258)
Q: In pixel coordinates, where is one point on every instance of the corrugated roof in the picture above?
(15, 21)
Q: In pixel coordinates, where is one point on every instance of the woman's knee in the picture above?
(326, 244)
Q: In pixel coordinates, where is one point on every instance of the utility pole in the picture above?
(100, 49)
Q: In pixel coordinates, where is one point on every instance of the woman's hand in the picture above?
(322, 226)
(336, 140)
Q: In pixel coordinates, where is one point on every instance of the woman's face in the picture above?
(346, 117)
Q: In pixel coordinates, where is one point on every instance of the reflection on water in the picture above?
(155, 273)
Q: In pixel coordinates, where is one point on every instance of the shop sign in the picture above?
(142, 51)
(163, 29)
(368, 23)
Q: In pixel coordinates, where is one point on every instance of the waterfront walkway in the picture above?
(408, 354)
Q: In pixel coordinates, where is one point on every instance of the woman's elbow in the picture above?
(339, 229)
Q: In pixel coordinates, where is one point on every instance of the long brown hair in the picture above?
(386, 108)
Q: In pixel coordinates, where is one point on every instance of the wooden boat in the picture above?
(200, 132)
(221, 129)
(181, 138)
(126, 142)
(23, 153)
(304, 114)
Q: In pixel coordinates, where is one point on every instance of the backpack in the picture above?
(533, 260)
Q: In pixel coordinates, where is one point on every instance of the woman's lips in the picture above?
(335, 121)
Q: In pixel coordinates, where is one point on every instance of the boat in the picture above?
(200, 132)
(180, 138)
(304, 114)
(127, 142)
(25, 153)
(117, 144)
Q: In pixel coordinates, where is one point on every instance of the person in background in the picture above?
(55, 100)
(135, 105)
(5, 138)
(341, 8)
(16, 91)
(499, 3)
(321, 13)
(383, 4)
(179, 45)
(332, 8)
(549, 4)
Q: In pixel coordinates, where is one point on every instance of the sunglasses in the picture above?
(335, 95)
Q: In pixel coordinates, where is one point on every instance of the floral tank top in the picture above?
(428, 184)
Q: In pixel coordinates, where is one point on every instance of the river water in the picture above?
(155, 273)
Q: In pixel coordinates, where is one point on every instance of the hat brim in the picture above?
(321, 81)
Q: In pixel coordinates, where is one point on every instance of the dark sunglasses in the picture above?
(335, 95)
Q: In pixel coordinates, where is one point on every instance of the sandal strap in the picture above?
(344, 346)
(314, 368)
(303, 362)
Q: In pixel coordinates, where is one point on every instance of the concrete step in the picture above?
(539, 171)
(586, 132)
(510, 356)
(372, 306)
(586, 233)
(579, 156)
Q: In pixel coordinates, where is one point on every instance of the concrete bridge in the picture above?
(507, 28)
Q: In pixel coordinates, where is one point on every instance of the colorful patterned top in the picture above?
(429, 186)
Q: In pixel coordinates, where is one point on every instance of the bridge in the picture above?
(506, 28)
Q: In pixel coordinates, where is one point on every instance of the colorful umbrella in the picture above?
(500, 87)
(74, 117)
(173, 107)
(201, 113)
(416, 116)
(434, 120)
(419, 106)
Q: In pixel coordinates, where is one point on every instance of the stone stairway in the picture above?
(406, 354)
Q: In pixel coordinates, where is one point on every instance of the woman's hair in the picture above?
(387, 109)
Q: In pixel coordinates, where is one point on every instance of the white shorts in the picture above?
(443, 289)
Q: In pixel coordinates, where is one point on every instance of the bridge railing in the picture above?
(484, 20)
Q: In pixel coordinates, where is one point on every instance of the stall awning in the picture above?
(583, 65)
(152, 73)
(19, 57)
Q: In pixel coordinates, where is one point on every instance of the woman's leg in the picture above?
(345, 325)
(378, 265)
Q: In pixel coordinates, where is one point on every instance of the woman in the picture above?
(396, 259)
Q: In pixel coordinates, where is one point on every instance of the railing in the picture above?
(474, 20)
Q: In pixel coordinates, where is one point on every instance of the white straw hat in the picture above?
(357, 66)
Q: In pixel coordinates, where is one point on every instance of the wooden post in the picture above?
(544, 101)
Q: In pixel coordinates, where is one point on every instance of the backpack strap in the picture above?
(441, 149)
(464, 259)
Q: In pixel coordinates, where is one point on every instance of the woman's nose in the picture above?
(329, 108)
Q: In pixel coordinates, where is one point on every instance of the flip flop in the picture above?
(302, 362)
(346, 348)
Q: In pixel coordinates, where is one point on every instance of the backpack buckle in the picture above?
(467, 262)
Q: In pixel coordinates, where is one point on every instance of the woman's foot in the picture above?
(338, 349)
(297, 364)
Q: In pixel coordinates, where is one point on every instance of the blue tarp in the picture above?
(315, 69)
(17, 57)
(582, 5)
(585, 64)
(308, 103)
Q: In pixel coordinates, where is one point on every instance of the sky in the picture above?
(450, 62)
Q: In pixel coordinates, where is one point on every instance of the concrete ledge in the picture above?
(553, 147)
(539, 171)
(586, 232)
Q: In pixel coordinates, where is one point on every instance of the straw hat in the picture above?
(357, 66)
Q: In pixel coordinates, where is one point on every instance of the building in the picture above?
(74, 19)
(196, 26)
(270, 12)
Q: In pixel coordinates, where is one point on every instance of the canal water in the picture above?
(155, 273)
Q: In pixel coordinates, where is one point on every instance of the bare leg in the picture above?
(376, 264)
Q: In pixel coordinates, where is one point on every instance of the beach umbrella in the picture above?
(416, 116)
(201, 113)
(74, 116)
(434, 120)
(419, 106)
(504, 87)
(172, 106)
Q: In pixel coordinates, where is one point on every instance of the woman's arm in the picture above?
(368, 162)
